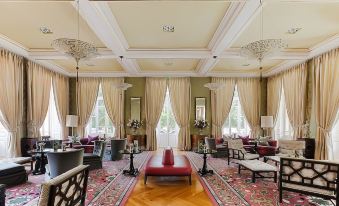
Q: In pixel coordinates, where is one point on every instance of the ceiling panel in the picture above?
(319, 21)
(195, 22)
(168, 64)
(243, 65)
(21, 22)
(93, 65)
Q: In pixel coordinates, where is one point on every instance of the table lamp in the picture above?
(266, 122)
(72, 121)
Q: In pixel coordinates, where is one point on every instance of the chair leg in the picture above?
(31, 165)
(239, 169)
(275, 177)
(190, 179)
(145, 179)
(280, 195)
(253, 177)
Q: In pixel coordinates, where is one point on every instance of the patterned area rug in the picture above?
(104, 185)
(228, 186)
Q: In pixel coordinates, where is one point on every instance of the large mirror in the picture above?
(200, 108)
(135, 108)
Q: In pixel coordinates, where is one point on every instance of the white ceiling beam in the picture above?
(290, 54)
(205, 65)
(172, 54)
(48, 55)
(100, 19)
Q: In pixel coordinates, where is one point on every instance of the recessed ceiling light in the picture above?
(168, 28)
(45, 30)
(293, 30)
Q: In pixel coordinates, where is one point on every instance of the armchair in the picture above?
(94, 160)
(237, 151)
(67, 189)
(291, 148)
(112, 152)
(61, 162)
(221, 149)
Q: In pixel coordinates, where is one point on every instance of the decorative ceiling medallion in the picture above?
(262, 48)
(168, 28)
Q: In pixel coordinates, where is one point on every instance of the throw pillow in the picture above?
(299, 153)
(245, 139)
(84, 141)
(219, 140)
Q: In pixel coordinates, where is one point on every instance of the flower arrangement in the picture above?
(134, 124)
(200, 123)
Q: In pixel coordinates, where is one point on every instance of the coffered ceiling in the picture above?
(206, 40)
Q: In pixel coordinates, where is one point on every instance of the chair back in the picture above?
(61, 162)
(210, 143)
(235, 144)
(291, 144)
(99, 148)
(116, 146)
(67, 189)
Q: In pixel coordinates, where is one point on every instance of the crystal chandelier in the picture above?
(122, 86)
(75, 48)
(262, 48)
(214, 86)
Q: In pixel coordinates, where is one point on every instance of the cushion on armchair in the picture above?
(245, 139)
(219, 140)
(84, 141)
(91, 139)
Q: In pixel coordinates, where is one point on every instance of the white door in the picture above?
(167, 129)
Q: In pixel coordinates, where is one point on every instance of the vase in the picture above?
(200, 131)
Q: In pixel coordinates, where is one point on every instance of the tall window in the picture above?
(99, 122)
(3, 141)
(236, 121)
(335, 139)
(51, 126)
(283, 128)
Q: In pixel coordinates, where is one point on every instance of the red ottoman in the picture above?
(168, 165)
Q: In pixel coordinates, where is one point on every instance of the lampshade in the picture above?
(266, 121)
(71, 121)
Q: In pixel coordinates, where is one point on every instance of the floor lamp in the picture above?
(266, 122)
(72, 121)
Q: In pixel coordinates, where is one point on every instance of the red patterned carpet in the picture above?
(230, 188)
(107, 186)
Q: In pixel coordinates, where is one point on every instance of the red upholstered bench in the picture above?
(168, 165)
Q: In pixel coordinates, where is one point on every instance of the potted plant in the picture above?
(201, 124)
(134, 125)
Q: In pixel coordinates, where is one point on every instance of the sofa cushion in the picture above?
(245, 139)
(84, 141)
(91, 157)
(10, 168)
(181, 166)
(288, 152)
(91, 139)
(168, 157)
(219, 141)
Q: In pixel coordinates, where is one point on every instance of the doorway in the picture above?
(167, 128)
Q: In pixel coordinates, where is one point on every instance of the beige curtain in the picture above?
(221, 102)
(326, 98)
(11, 98)
(180, 94)
(87, 93)
(114, 103)
(155, 92)
(294, 83)
(249, 94)
(61, 96)
(39, 88)
(274, 85)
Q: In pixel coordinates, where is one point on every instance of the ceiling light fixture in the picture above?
(263, 47)
(75, 48)
(168, 28)
(45, 30)
(293, 30)
(214, 86)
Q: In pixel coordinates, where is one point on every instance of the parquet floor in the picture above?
(163, 191)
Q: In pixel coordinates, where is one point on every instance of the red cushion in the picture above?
(168, 157)
(219, 140)
(245, 139)
(84, 141)
(273, 143)
(181, 166)
(91, 139)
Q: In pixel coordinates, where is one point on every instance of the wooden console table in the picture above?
(195, 139)
(141, 140)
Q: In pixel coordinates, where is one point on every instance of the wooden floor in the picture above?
(174, 191)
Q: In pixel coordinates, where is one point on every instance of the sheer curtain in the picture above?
(326, 96)
(87, 92)
(114, 103)
(11, 98)
(155, 92)
(221, 102)
(249, 93)
(294, 83)
(38, 87)
(180, 94)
